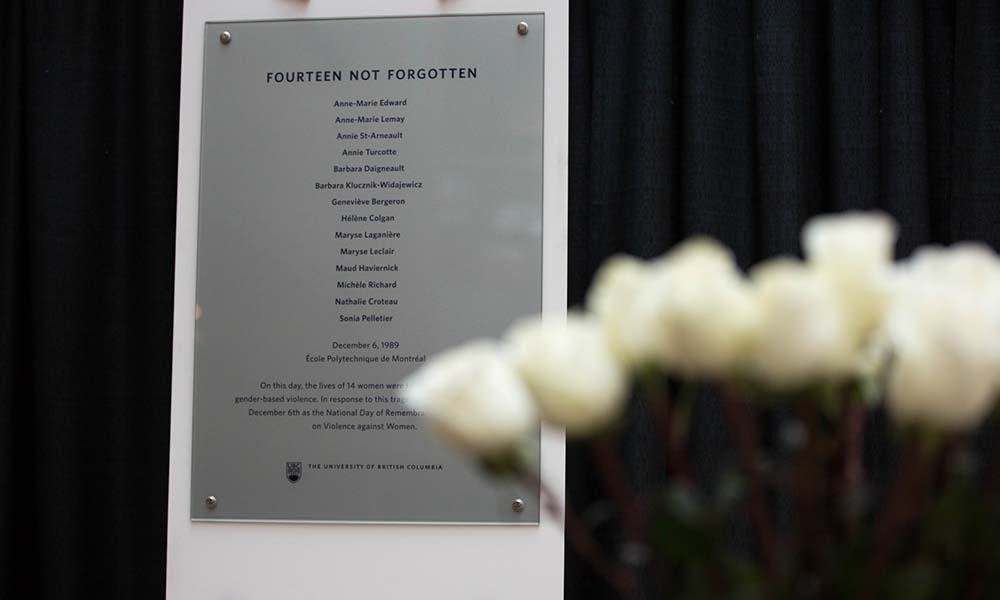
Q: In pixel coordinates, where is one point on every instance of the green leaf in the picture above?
(746, 578)
(917, 581)
(729, 492)
(684, 504)
(680, 530)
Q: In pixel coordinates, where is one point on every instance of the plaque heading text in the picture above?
(389, 74)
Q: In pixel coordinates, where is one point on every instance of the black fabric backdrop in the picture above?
(736, 119)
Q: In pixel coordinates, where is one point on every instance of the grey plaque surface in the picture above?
(371, 193)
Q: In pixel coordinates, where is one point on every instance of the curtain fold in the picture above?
(90, 94)
(12, 305)
(742, 119)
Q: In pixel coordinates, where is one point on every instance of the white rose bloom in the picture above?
(854, 250)
(624, 311)
(944, 329)
(850, 241)
(802, 336)
(572, 373)
(968, 265)
(703, 313)
(474, 398)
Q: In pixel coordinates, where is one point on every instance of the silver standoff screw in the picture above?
(225, 37)
(522, 28)
(518, 505)
(211, 502)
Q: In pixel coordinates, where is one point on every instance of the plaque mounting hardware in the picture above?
(518, 505)
(225, 37)
(522, 28)
(211, 502)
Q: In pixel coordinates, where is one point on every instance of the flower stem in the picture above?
(616, 575)
(666, 412)
(809, 486)
(746, 439)
(853, 475)
(612, 468)
(993, 483)
(903, 503)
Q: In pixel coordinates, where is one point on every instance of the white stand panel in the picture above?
(277, 561)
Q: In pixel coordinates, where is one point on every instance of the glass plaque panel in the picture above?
(371, 193)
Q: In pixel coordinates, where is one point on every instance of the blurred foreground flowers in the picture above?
(802, 356)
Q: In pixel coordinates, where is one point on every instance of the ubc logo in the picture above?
(293, 471)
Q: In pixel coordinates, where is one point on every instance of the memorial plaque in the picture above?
(371, 194)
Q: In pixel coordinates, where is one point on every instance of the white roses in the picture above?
(571, 372)
(618, 299)
(691, 311)
(474, 398)
(944, 330)
(802, 335)
(484, 396)
(819, 319)
(929, 325)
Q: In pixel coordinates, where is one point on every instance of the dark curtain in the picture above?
(736, 119)
(742, 119)
(89, 96)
